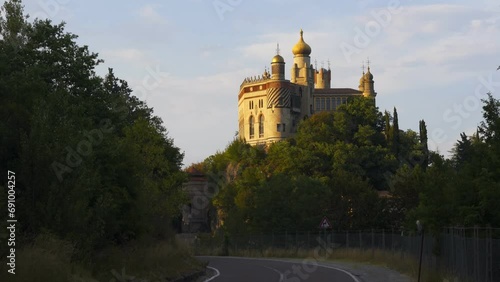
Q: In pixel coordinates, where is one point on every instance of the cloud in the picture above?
(129, 54)
(149, 14)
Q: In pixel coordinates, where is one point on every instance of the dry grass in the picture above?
(163, 260)
(49, 259)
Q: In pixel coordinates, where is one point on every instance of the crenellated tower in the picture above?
(323, 78)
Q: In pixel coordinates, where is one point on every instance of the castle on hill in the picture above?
(270, 106)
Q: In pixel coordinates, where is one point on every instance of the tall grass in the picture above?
(50, 259)
(154, 262)
(47, 259)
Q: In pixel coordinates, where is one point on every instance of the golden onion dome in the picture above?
(369, 75)
(277, 59)
(301, 48)
(362, 79)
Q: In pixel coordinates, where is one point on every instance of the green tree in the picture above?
(395, 133)
(423, 143)
(97, 166)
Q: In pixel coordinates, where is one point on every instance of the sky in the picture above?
(432, 60)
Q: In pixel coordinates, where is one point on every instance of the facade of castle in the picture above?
(270, 106)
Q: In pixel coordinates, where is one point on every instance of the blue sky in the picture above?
(432, 60)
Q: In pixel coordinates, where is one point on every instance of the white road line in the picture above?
(217, 273)
(317, 262)
(339, 269)
(275, 270)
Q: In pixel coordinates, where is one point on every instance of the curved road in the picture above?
(235, 269)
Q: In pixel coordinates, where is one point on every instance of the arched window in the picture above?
(251, 121)
(261, 126)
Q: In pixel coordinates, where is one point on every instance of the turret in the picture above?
(369, 89)
(278, 68)
(322, 78)
(361, 86)
(301, 71)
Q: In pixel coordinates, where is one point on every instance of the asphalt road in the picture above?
(234, 269)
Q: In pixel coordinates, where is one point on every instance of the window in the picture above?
(316, 101)
(311, 109)
(300, 92)
(284, 127)
(322, 104)
(250, 103)
(261, 126)
(251, 121)
(328, 103)
(278, 127)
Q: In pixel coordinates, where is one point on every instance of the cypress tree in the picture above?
(423, 142)
(395, 133)
(387, 130)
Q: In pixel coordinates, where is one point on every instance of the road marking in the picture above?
(339, 269)
(275, 270)
(317, 262)
(217, 273)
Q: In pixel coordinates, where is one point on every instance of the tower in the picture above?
(302, 74)
(278, 66)
(361, 85)
(322, 78)
(301, 70)
(368, 86)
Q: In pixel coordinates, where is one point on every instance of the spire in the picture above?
(277, 58)
(369, 75)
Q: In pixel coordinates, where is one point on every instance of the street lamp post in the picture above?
(420, 229)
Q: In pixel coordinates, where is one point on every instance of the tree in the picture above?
(387, 127)
(395, 133)
(423, 143)
(98, 167)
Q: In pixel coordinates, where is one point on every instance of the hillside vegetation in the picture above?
(339, 162)
(96, 174)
